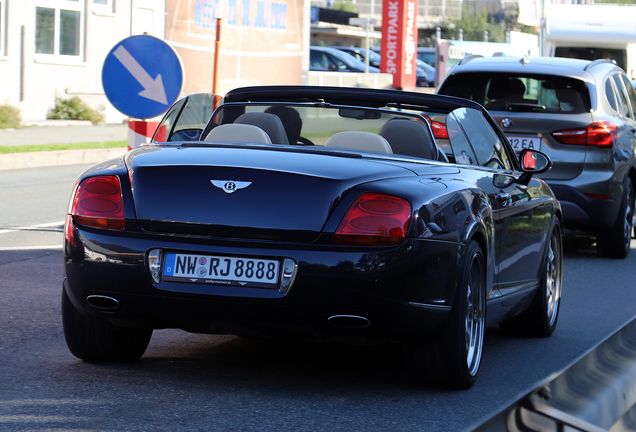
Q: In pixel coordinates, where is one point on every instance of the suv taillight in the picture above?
(98, 203)
(374, 220)
(599, 134)
(438, 128)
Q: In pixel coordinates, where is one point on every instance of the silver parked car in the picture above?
(583, 115)
(329, 59)
(361, 54)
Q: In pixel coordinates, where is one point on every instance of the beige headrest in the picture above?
(238, 133)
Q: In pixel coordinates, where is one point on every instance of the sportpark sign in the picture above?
(399, 41)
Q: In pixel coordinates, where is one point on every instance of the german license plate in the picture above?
(221, 270)
(525, 142)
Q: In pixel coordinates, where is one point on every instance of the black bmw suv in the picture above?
(583, 115)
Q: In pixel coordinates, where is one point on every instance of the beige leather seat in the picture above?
(270, 123)
(238, 133)
(360, 140)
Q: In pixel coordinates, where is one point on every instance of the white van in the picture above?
(592, 32)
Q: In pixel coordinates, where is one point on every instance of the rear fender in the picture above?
(445, 210)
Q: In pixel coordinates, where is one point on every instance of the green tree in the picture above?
(345, 5)
(475, 22)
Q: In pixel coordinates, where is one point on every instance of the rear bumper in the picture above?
(403, 292)
(584, 213)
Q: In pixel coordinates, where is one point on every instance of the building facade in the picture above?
(56, 48)
(262, 42)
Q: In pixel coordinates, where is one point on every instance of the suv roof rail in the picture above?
(598, 62)
(469, 58)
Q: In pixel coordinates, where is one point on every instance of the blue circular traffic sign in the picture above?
(142, 76)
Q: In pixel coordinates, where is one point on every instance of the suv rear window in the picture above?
(499, 92)
(618, 56)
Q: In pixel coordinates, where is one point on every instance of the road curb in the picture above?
(55, 158)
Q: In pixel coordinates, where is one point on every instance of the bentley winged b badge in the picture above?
(230, 186)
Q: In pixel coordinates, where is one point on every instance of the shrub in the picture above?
(9, 117)
(75, 109)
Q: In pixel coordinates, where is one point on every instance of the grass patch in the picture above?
(57, 147)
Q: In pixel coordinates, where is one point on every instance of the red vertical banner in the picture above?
(399, 41)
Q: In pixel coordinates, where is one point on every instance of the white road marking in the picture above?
(31, 228)
(21, 248)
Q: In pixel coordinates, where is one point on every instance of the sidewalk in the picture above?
(60, 132)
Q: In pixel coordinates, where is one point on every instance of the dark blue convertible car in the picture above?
(336, 214)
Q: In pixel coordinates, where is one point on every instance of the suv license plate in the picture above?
(525, 142)
(221, 270)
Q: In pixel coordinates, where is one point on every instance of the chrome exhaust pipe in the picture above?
(349, 321)
(103, 303)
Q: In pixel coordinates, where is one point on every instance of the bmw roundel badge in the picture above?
(506, 123)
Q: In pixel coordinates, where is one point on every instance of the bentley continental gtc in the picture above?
(329, 214)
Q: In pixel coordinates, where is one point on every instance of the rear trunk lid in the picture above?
(533, 130)
(243, 192)
(530, 104)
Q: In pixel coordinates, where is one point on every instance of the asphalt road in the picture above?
(188, 382)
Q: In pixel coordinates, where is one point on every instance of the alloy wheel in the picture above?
(627, 220)
(475, 316)
(553, 278)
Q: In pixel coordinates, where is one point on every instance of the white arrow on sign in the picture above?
(153, 88)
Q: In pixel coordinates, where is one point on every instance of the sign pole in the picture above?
(217, 43)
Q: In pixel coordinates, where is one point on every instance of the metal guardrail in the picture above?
(595, 393)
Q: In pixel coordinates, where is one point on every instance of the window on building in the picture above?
(143, 22)
(148, 16)
(58, 27)
(103, 6)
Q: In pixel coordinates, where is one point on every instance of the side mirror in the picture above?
(534, 162)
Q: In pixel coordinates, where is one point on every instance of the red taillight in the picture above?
(98, 203)
(374, 220)
(438, 128)
(599, 134)
(598, 196)
(602, 134)
(69, 232)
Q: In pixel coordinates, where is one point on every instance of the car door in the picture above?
(519, 211)
(625, 104)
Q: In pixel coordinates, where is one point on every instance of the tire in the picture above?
(452, 358)
(97, 340)
(616, 242)
(540, 319)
